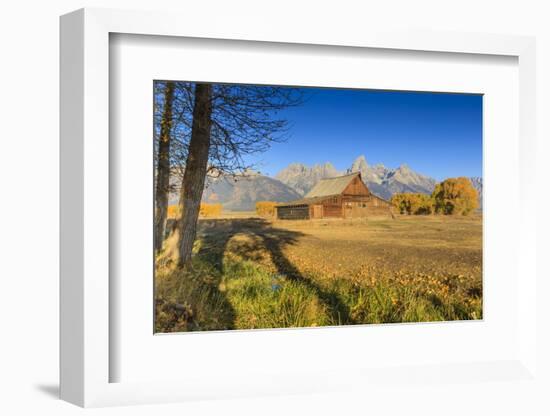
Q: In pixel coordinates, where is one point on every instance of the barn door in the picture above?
(317, 211)
(348, 210)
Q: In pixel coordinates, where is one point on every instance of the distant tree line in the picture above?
(206, 210)
(453, 196)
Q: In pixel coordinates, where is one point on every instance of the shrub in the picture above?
(206, 210)
(455, 196)
(210, 210)
(266, 208)
(410, 203)
(174, 211)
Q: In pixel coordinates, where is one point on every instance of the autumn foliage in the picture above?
(455, 196)
(410, 203)
(266, 208)
(206, 210)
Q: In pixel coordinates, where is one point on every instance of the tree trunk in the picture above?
(163, 167)
(195, 172)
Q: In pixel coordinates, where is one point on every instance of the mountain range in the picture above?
(382, 181)
(477, 182)
(240, 193)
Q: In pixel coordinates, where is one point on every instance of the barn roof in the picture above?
(303, 201)
(331, 186)
(323, 189)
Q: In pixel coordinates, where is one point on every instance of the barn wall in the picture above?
(332, 211)
(356, 201)
(332, 207)
(293, 212)
(316, 211)
(356, 188)
(358, 207)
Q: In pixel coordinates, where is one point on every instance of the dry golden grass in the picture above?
(311, 273)
(408, 244)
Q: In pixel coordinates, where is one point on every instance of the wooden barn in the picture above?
(341, 197)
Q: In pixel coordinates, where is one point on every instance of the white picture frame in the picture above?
(86, 356)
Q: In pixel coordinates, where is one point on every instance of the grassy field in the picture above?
(250, 272)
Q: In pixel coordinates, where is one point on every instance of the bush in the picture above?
(455, 196)
(206, 210)
(173, 212)
(266, 208)
(210, 210)
(409, 203)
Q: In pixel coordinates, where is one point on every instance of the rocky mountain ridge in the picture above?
(240, 193)
(382, 181)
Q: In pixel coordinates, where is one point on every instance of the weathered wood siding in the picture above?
(357, 207)
(316, 211)
(354, 201)
(332, 207)
(300, 212)
(356, 188)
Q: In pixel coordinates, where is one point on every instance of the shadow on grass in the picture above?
(190, 300)
(216, 234)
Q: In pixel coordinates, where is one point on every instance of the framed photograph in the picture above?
(281, 213)
(283, 225)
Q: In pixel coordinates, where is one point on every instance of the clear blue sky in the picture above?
(436, 134)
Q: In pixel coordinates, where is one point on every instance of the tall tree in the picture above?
(455, 196)
(162, 187)
(228, 123)
(195, 171)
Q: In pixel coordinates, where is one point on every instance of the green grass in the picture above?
(252, 273)
(246, 295)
